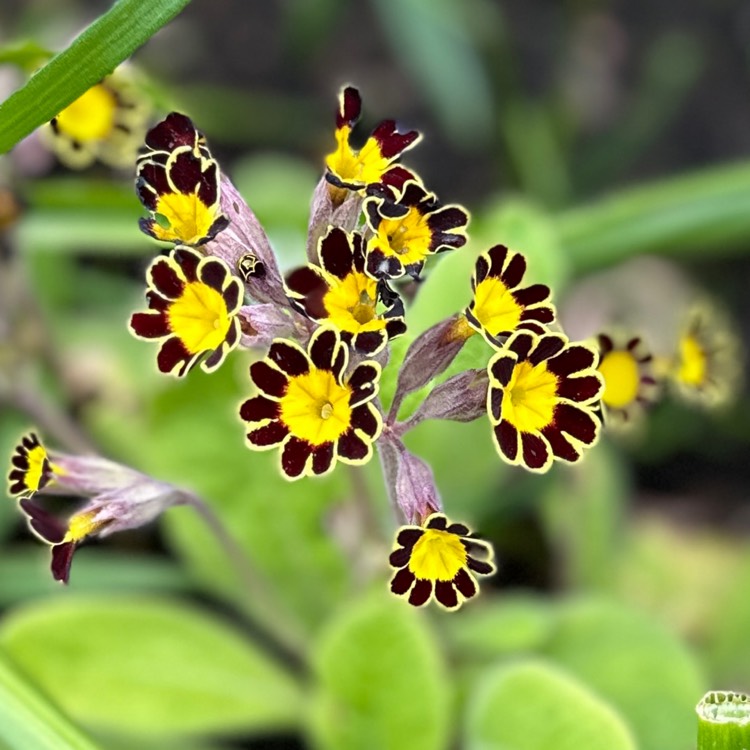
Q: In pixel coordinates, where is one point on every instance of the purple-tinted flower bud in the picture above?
(261, 324)
(324, 213)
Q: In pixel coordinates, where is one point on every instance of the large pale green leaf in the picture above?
(112, 38)
(637, 665)
(28, 721)
(141, 665)
(531, 705)
(382, 680)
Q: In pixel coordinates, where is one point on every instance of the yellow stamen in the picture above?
(530, 397)
(437, 556)
(621, 378)
(199, 318)
(316, 408)
(91, 117)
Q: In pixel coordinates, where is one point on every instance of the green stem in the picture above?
(723, 721)
(700, 214)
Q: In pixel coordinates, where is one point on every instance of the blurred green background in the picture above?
(607, 142)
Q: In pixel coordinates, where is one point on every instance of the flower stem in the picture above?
(278, 626)
(723, 721)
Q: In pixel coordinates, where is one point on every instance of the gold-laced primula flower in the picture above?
(543, 395)
(707, 368)
(409, 226)
(630, 386)
(106, 123)
(354, 169)
(500, 305)
(438, 560)
(309, 408)
(193, 301)
(31, 469)
(178, 182)
(340, 293)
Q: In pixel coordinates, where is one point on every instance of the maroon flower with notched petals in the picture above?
(542, 399)
(178, 182)
(438, 560)
(193, 301)
(409, 226)
(340, 293)
(309, 409)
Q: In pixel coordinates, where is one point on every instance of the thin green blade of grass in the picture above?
(95, 53)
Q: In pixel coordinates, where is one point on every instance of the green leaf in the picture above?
(28, 720)
(509, 626)
(637, 665)
(93, 55)
(139, 665)
(26, 54)
(382, 680)
(532, 705)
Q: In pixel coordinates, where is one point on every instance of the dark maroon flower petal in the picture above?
(506, 438)
(213, 360)
(396, 177)
(421, 592)
(395, 327)
(323, 348)
(391, 142)
(172, 354)
(497, 256)
(562, 448)
(173, 131)
(501, 367)
(188, 260)
(495, 403)
(480, 566)
(400, 557)
(214, 273)
(531, 295)
(458, 528)
(322, 458)
(409, 537)
(350, 106)
(364, 418)
(208, 186)
(534, 450)
(402, 581)
(542, 314)
(381, 267)
(268, 379)
(583, 388)
(294, 457)
(156, 301)
(437, 521)
(308, 284)
(62, 559)
(573, 359)
(449, 217)
(548, 346)
(185, 171)
(259, 408)
(165, 280)
(269, 435)
(44, 523)
(370, 342)
(605, 343)
(149, 325)
(363, 383)
(232, 294)
(352, 447)
(465, 583)
(577, 422)
(512, 276)
(446, 594)
(521, 344)
(289, 358)
(336, 254)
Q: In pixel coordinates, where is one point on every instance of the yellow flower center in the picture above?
(189, 218)
(81, 525)
(364, 166)
(437, 556)
(530, 398)
(408, 238)
(495, 307)
(36, 458)
(351, 304)
(199, 318)
(91, 117)
(316, 408)
(692, 367)
(621, 379)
